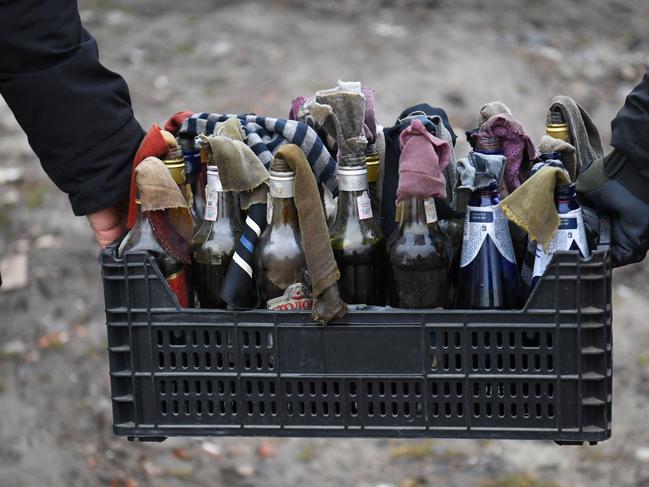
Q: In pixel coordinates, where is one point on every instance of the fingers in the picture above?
(108, 225)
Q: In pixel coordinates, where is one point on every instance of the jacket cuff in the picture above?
(108, 174)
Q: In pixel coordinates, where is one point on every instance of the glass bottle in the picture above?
(356, 239)
(279, 256)
(556, 125)
(488, 276)
(176, 273)
(420, 256)
(175, 162)
(215, 241)
(373, 163)
(571, 234)
(191, 150)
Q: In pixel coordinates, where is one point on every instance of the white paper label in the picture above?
(282, 187)
(364, 206)
(483, 221)
(211, 204)
(431, 211)
(571, 230)
(269, 209)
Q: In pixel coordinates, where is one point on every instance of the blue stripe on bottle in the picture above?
(247, 244)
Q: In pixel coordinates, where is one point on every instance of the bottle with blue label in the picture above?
(571, 234)
(488, 276)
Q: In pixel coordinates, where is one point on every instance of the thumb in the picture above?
(108, 224)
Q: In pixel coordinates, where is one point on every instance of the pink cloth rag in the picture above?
(422, 162)
(296, 104)
(517, 146)
(369, 125)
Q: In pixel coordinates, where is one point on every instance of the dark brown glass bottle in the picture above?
(420, 256)
(215, 241)
(357, 240)
(279, 256)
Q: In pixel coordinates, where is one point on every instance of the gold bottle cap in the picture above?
(177, 169)
(558, 131)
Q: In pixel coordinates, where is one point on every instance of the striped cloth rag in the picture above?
(265, 135)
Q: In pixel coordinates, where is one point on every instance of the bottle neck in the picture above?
(220, 204)
(284, 212)
(565, 198)
(372, 162)
(485, 196)
(417, 212)
(352, 183)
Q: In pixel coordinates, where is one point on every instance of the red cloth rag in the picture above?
(154, 145)
(422, 162)
(175, 122)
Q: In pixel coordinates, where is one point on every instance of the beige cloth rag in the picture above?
(532, 206)
(323, 270)
(348, 114)
(491, 109)
(156, 186)
(567, 151)
(239, 167)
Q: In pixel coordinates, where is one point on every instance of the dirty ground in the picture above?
(236, 56)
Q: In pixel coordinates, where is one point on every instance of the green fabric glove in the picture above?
(629, 214)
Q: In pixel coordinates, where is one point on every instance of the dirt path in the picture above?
(55, 416)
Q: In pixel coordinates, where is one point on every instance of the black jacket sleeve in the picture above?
(76, 113)
(629, 164)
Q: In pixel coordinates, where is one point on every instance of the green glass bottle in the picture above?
(279, 256)
(420, 255)
(357, 240)
(215, 241)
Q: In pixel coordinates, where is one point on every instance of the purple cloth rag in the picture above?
(369, 125)
(518, 148)
(422, 162)
(296, 104)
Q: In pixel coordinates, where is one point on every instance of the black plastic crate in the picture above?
(543, 372)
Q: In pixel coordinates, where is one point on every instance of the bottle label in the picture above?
(296, 297)
(352, 182)
(571, 233)
(282, 187)
(269, 209)
(431, 210)
(211, 203)
(179, 286)
(483, 221)
(364, 206)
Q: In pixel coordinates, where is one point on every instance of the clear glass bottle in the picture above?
(215, 241)
(356, 239)
(420, 255)
(488, 276)
(279, 256)
(177, 274)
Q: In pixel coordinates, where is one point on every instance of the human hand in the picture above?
(629, 215)
(109, 224)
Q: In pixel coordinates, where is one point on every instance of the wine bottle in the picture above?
(420, 256)
(176, 165)
(356, 239)
(488, 276)
(175, 272)
(215, 241)
(279, 256)
(571, 234)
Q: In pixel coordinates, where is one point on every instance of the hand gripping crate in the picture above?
(543, 372)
